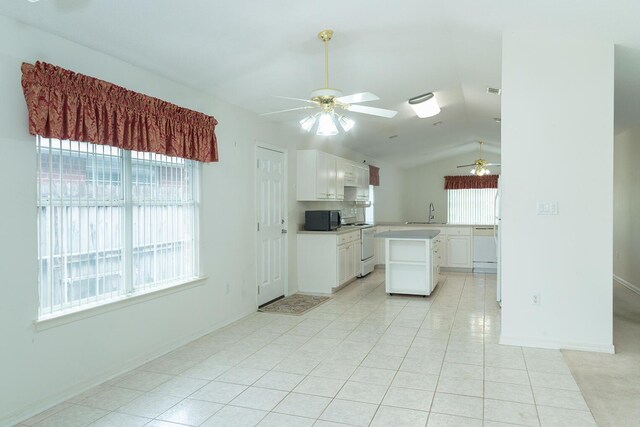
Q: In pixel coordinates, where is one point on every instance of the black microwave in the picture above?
(321, 220)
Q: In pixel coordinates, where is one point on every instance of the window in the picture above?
(112, 223)
(471, 206)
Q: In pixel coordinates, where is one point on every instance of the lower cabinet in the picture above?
(327, 261)
(454, 245)
(459, 244)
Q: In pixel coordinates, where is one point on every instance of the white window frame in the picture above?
(126, 289)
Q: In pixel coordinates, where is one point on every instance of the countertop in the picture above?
(408, 234)
(342, 230)
(349, 228)
(433, 224)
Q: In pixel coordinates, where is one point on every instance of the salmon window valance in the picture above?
(67, 105)
(462, 182)
(374, 175)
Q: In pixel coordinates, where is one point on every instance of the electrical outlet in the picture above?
(535, 298)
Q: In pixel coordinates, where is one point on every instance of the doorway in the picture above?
(271, 200)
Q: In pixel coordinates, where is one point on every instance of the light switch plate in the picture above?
(547, 208)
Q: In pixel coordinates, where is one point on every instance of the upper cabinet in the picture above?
(318, 176)
(323, 176)
(362, 193)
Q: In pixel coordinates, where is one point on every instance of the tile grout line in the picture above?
(446, 348)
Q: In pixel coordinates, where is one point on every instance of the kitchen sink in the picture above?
(424, 223)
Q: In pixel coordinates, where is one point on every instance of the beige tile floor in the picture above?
(361, 359)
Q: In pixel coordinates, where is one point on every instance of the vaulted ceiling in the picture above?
(246, 51)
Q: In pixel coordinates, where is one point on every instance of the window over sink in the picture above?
(471, 206)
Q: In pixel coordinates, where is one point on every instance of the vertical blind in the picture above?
(471, 206)
(111, 223)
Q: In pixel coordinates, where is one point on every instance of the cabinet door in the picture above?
(355, 259)
(459, 251)
(341, 165)
(350, 174)
(362, 193)
(322, 176)
(343, 264)
(332, 177)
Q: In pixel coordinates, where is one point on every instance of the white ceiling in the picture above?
(245, 51)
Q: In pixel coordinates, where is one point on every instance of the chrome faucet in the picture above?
(431, 213)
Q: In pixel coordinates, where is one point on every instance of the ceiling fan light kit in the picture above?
(326, 125)
(329, 99)
(480, 165)
(425, 105)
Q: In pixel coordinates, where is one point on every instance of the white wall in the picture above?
(425, 184)
(557, 98)
(37, 369)
(626, 202)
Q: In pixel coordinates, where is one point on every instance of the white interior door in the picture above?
(272, 237)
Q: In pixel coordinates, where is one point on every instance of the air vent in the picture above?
(494, 90)
(393, 136)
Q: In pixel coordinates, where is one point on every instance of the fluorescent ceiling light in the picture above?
(425, 105)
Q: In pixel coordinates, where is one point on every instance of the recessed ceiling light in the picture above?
(497, 119)
(494, 90)
(436, 123)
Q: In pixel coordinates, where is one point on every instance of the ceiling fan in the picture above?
(480, 165)
(331, 102)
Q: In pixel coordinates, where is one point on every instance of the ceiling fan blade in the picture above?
(372, 110)
(466, 166)
(493, 164)
(357, 97)
(284, 111)
(295, 99)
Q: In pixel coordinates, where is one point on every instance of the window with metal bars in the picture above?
(471, 206)
(112, 224)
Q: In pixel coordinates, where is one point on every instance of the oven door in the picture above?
(367, 243)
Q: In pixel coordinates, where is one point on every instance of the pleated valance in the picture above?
(374, 175)
(460, 182)
(67, 105)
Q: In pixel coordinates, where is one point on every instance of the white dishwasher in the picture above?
(485, 257)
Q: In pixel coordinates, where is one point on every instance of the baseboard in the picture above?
(457, 269)
(556, 345)
(626, 284)
(43, 405)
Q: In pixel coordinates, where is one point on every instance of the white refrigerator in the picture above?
(497, 233)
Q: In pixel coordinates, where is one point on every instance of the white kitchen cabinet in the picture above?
(355, 257)
(318, 177)
(326, 261)
(341, 166)
(362, 192)
(411, 262)
(459, 247)
(349, 170)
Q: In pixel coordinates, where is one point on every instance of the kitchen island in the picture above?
(412, 261)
